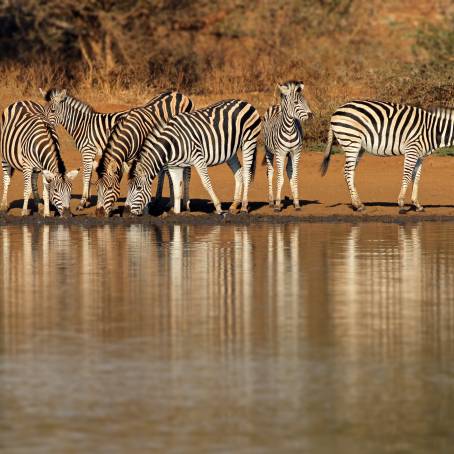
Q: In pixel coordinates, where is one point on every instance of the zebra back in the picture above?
(385, 128)
(130, 132)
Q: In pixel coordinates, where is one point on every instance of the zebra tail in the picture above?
(263, 160)
(253, 165)
(327, 155)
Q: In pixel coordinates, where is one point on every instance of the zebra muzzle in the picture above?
(66, 213)
(127, 211)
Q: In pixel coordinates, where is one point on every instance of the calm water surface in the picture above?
(312, 338)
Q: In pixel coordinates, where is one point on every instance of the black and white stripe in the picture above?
(88, 128)
(126, 140)
(29, 143)
(206, 137)
(283, 136)
(388, 129)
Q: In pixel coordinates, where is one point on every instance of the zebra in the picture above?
(388, 129)
(283, 136)
(206, 137)
(125, 142)
(88, 128)
(29, 143)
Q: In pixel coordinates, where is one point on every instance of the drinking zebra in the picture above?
(29, 143)
(125, 142)
(88, 128)
(388, 129)
(283, 137)
(206, 137)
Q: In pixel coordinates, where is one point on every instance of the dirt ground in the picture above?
(378, 182)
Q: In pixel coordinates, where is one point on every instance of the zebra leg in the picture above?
(46, 211)
(414, 194)
(280, 159)
(269, 158)
(7, 174)
(176, 175)
(410, 162)
(292, 173)
(186, 181)
(36, 199)
(202, 170)
(235, 167)
(249, 156)
(27, 189)
(351, 161)
(160, 185)
(87, 158)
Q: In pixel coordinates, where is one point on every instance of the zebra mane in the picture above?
(75, 103)
(107, 164)
(80, 106)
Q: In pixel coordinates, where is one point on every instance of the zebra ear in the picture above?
(48, 175)
(72, 174)
(43, 93)
(301, 86)
(284, 89)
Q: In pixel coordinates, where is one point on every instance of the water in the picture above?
(293, 338)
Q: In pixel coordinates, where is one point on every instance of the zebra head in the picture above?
(54, 109)
(108, 188)
(139, 191)
(293, 101)
(59, 186)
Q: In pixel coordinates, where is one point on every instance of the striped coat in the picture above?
(206, 137)
(283, 136)
(388, 129)
(126, 140)
(29, 143)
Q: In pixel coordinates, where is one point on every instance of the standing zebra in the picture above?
(29, 143)
(88, 128)
(283, 136)
(126, 140)
(206, 137)
(388, 129)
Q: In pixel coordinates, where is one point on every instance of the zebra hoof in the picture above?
(277, 209)
(419, 209)
(234, 210)
(360, 208)
(403, 211)
(80, 207)
(271, 203)
(297, 207)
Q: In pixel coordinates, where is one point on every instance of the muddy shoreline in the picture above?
(215, 219)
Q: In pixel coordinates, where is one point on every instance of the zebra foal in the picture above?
(388, 129)
(283, 136)
(29, 143)
(206, 137)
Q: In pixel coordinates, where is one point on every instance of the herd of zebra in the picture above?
(167, 136)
